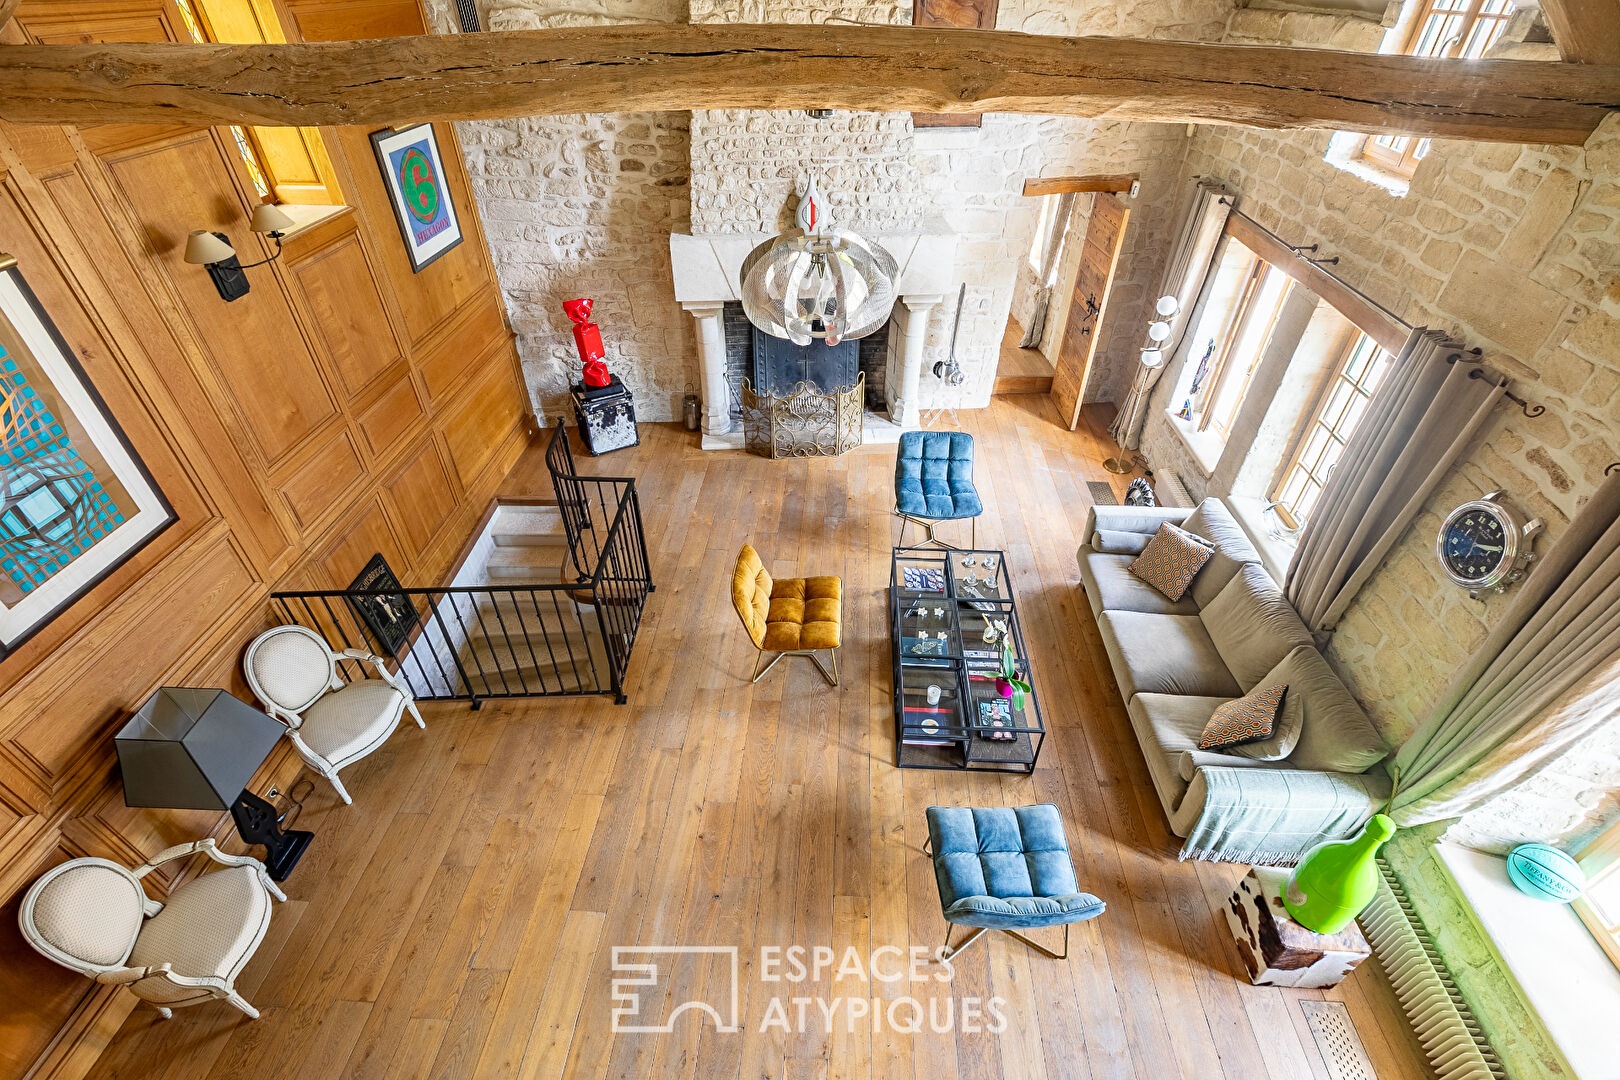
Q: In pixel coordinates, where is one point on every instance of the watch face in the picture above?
(1473, 544)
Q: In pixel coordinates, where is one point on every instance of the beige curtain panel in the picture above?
(1543, 679)
(1184, 276)
(1048, 271)
(1419, 421)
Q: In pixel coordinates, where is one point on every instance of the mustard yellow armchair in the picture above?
(788, 616)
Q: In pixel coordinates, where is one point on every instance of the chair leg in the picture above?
(903, 521)
(1064, 955)
(163, 1013)
(949, 952)
(241, 1003)
(411, 705)
(831, 678)
(973, 536)
(343, 792)
(759, 672)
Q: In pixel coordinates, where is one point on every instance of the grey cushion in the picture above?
(1215, 523)
(1335, 735)
(1253, 626)
(1164, 654)
(1118, 542)
(1112, 587)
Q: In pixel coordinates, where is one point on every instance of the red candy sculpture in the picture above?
(588, 340)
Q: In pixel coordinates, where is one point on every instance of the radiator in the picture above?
(1451, 1036)
(1170, 490)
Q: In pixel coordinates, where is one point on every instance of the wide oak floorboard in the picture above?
(459, 919)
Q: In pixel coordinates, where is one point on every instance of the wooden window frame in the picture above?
(1236, 327)
(1600, 859)
(1353, 338)
(1402, 158)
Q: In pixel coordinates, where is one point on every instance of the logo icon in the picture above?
(419, 185)
(647, 970)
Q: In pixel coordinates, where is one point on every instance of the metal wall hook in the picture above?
(1530, 409)
(1613, 467)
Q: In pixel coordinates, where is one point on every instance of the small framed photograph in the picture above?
(413, 173)
(390, 618)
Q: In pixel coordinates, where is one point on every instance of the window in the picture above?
(287, 164)
(1461, 29)
(1238, 351)
(1342, 404)
(1599, 905)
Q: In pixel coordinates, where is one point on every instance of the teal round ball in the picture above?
(1545, 873)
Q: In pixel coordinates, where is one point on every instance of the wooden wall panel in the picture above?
(256, 343)
(348, 312)
(422, 496)
(330, 414)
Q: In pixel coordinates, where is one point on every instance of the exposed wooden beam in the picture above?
(1059, 185)
(900, 68)
(1585, 31)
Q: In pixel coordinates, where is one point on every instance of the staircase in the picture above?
(526, 544)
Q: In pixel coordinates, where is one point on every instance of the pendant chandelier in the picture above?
(818, 282)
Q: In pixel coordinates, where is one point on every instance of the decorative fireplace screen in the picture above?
(804, 422)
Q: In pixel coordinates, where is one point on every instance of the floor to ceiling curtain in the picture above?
(1047, 272)
(1423, 415)
(1184, 276)
(1543, 679)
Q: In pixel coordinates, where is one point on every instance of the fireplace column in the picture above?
(711, 340)
(912, 318)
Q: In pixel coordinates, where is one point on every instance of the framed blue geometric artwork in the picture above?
(414, 175)
(75, 500)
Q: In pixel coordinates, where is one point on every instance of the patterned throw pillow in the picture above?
(1248, 719)
(1170, 560)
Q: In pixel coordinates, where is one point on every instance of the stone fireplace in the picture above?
(707, 272)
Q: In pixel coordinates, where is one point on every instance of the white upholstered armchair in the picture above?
(291, 670)
(93, 916)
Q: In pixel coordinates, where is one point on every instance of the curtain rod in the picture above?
(1318, 263)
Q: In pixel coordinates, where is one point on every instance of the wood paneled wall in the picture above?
(344, 406)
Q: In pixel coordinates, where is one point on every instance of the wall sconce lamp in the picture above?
(213, 250)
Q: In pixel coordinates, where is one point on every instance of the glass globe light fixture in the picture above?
(1152, 358)
(1167, 307)
(1158, 331)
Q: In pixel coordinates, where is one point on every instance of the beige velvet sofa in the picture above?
(1175, 661)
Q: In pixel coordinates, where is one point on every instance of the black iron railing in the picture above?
(469, 643)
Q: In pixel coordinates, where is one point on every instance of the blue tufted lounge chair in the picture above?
(1008, 869)
(933, 482)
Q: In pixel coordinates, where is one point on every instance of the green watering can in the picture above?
(1336, 880)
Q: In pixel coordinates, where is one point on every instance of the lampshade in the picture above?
(843, 280)
(268, 218)
(1152, 358)
(204, 247)
(1159, 331)
(193, 749)
(1167, 306)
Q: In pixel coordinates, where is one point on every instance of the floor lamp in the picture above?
(1158, 333)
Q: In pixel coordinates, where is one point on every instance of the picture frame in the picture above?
(413, 173)
(390, 619)
(76, 501)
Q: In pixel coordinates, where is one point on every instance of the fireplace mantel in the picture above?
(708, 272)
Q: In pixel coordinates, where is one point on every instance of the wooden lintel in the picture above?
(1377, 325)
(1061, 185)
(1585, 31)
(898, 68)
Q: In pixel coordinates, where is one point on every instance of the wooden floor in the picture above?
(1021, 371)
(459, 920)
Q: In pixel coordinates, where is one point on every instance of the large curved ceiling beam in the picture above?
(926, 69)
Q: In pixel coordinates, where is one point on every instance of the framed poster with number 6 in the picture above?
(414, 175)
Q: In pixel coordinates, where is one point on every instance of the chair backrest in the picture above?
(289, 667)
(751, 593)
(84, 915)
(935, 462)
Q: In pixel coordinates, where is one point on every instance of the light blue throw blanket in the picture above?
(1272, 817)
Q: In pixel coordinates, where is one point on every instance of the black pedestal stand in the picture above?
(256, 823)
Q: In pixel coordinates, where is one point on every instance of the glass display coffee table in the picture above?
(950, 613)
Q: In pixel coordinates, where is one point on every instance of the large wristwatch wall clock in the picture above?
(1485, 544)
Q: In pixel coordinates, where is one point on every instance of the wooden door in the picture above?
(1088, 305)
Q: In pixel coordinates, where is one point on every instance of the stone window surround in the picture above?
(707, 273)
